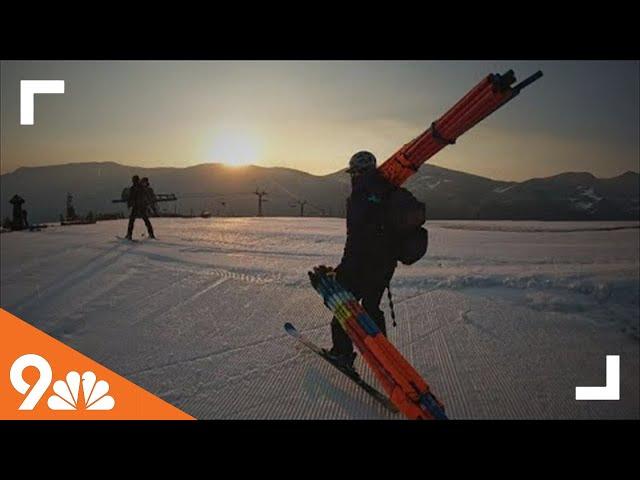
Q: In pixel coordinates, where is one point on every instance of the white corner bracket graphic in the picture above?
(28, 89)
(611, 390)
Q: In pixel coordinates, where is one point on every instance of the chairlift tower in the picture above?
(260, 194)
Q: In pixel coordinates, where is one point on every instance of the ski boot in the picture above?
(344, 361)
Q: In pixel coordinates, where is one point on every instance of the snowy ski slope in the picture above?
(504, 319)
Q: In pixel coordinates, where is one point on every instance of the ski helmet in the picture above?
(361, 162)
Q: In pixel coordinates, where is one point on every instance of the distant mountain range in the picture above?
(223, 190)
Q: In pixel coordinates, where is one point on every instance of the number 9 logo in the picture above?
(39, 388)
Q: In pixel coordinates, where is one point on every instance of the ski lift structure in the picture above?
(220, 204)
(160, 197)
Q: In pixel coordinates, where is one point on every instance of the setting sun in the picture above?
(234, 148)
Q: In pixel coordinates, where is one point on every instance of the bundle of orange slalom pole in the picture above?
(403, 384)
(482, 100)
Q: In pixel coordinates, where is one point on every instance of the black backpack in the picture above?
(405, 216)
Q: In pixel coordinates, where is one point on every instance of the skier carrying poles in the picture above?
(138, 202)
(384, 220)
(383, 226)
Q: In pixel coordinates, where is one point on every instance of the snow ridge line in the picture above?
(584, 285)
(207, 355)
(101, 262)
(192, 297)
(515, 229)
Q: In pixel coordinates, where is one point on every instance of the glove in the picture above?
(320, 270)
(323, 270)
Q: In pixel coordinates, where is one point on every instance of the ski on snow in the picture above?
(354, 377)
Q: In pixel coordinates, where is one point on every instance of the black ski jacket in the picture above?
(138, 198)
(368, 256)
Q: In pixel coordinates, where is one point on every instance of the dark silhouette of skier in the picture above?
(137, 201)
(25, 221)
(368, 261)
(17, 222)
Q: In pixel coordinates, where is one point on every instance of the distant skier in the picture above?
(17, 221)
(25, 220)
(137, 201)
(150, 196)
(368, 261)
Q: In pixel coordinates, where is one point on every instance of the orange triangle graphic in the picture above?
(43, 379)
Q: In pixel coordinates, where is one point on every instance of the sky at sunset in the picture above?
(312, 115)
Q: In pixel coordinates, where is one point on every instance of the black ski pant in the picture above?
(370, 296)
(139, 214)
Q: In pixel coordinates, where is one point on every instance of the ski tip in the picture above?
(291, 330)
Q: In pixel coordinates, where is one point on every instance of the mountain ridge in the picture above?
(278, 167)
(229, 190)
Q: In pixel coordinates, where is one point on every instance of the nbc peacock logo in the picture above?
(41, 378)
(66, 393)
(94, 394)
